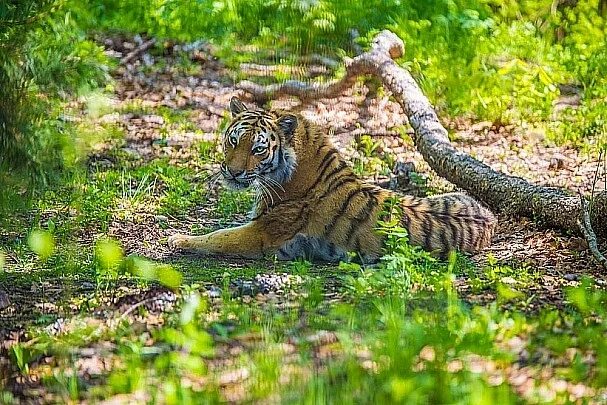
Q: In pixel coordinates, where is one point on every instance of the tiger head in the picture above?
(257, 147)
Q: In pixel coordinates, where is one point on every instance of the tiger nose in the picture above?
(235, 173)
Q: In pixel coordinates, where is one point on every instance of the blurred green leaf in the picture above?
(168, 276)
(42, 243)
(109, 253)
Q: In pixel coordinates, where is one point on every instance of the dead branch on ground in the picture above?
(137, 51)
(511, 195)
(588, 232)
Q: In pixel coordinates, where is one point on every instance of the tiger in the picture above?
(310, 204)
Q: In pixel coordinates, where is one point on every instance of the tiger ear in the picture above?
(288, 124)
(236, 106)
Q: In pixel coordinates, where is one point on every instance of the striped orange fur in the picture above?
(310, 203)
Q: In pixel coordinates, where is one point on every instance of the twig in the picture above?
(4, 300)
(589, 234)
(254, 69)
(134, 307)
(137, 51)
(354, 35)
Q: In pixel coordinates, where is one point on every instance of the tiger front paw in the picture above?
(179, 241)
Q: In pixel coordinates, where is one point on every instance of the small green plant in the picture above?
(233, 202)
(22, 356)
(393, 276)
(508, 281)
(367, 146)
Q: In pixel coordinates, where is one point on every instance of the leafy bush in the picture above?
(44, 57)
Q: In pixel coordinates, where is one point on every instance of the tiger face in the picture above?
(257, 147)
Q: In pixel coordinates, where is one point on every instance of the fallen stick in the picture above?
(589, 235)
(137, 51)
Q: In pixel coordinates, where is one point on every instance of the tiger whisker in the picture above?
(265, 191)
(269, 186)
(212, 179)
(211, 175)
(276, 183)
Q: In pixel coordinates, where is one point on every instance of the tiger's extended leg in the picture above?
(251, 240)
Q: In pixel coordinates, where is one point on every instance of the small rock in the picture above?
(148, 60)
(557, 162)
(161, 218)
(508, 280)
(571, 277)
(110, 118)
(481, 126)
(153, 119)
(132, 152)
(214, 292)
(87, 285)
(245, 287)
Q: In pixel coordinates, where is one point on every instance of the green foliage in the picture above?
(44, 56)
(232, 202)
(42, 243)
(402, 335)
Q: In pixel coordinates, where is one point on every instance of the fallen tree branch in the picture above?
(508, 194)
(137, 51)
(301, 90)
(589, 235)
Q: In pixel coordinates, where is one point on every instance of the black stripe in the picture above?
(306, 126)
(342, 165)
(328, 159)
(445, 242)
(360, 217)
(454, 234)
(428, 231)
(340, 182)
(406, 222)
(469, 235)
(357, 245)
(330, 227)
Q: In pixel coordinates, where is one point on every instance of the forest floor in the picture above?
(64, 324)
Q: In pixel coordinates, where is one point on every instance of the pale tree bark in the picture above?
(510, 195)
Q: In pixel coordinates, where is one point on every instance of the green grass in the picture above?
(425, 347)
(394, 333)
